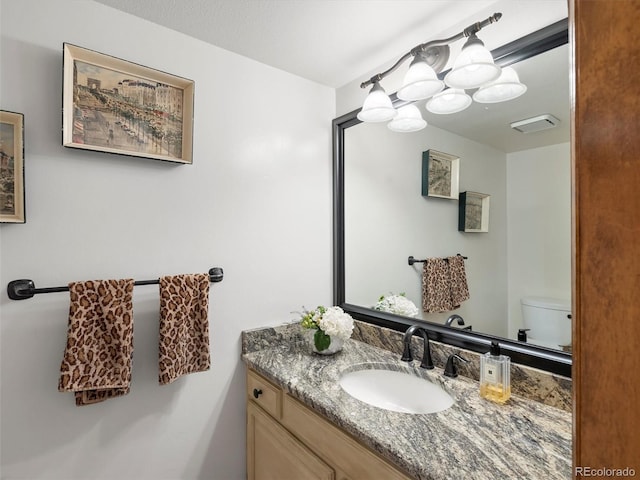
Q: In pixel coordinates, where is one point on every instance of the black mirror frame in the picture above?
(553, 361)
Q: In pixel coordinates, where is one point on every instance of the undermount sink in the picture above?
(396, 391)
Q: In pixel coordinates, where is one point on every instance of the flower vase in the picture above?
(334, 347)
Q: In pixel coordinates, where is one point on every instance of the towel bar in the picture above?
(23, 289)
(412, 260)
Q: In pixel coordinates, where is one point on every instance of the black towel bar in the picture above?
(414, 260)
(23, 289)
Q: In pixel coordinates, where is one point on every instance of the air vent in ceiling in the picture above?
(535, 124)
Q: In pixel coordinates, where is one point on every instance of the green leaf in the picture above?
(321, 340)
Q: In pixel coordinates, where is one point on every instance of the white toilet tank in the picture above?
(549, 321)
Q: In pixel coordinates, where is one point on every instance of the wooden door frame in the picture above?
(606, 235)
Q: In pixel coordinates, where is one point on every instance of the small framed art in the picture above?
(115, 106)
(11, 167)
(473, 212)
(440, 173)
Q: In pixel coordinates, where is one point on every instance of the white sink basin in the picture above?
(396, 391)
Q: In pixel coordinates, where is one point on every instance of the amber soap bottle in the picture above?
(495, 375)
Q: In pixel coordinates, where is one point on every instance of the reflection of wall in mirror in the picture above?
(386, 220)
(539, 220)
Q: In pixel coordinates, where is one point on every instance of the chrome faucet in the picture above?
(407, 356)
(452, 318)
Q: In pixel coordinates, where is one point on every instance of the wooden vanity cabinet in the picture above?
(288, 441)
(275, 454)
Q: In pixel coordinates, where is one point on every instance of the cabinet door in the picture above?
(344, 453)
(274, 454)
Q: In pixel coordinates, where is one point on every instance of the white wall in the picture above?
(539, 218)
(527, 251)
(387, 219)
(260, 182)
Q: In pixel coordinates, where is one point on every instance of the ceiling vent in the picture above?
(535, 124)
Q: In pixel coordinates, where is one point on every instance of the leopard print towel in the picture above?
(97, 359)
(436, 286)
(444, 284)
(184, 326)
(458, 279)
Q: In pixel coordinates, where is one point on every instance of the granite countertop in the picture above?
(474, 439)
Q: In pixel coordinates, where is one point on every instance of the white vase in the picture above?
(334, 347)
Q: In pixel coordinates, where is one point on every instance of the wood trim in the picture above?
(606, 234)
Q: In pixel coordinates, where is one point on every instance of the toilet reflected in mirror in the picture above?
(547, 321)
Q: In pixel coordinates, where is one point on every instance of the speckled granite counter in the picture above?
(474, 439)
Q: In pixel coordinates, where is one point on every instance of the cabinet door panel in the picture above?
(274, 454)
(333, 445)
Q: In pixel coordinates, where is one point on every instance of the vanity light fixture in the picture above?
(420, 81)
(474, 68)
(506, 87)
(377, 106)
(452, 100)
(407, 120)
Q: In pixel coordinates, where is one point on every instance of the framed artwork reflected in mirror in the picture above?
(440, 174)
(473, 212)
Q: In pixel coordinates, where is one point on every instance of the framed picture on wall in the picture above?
(473, 212)
(11, 167)
(440, 173)
(115, 106)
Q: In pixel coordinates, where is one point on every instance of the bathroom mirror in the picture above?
(375, 232)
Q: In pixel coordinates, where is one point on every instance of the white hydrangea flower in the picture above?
(336, 323)
(398, 304)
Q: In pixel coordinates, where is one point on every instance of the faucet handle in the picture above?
(450, 369)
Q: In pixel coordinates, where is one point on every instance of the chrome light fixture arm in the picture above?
(424, 47)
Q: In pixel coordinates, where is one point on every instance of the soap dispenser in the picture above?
(495, 378)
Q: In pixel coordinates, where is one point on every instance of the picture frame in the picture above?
(116, 106)
(440, 174)
(473, 212)
(12, 193)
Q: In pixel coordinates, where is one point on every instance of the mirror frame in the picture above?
(554, 361)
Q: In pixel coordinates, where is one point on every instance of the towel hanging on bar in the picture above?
(184, 326)
(97, 358)
(458, 279)
(23, 289)
(412, 260)
(444, 284)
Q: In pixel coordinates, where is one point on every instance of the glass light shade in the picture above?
(474, 66)
(377, 106)
(420, 82)
(408, 119)
(506, 87)
(451, 100)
